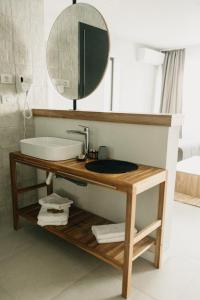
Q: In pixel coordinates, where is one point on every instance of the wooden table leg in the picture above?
(14, 192)
(159, 233)
(128, 245)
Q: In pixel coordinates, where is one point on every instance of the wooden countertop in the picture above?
(168, 120)
(142, 179)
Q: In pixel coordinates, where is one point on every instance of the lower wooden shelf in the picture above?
(78, 232)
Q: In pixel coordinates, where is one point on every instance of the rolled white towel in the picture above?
(55, 201)
(109, 231)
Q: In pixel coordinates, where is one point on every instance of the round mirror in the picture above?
(77, 51)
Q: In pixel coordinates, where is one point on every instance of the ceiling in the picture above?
(162, 24)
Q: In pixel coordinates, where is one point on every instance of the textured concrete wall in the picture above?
(22, 51)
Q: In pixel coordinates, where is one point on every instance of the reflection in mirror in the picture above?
(77, 51)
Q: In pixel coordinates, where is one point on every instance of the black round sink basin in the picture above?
(111, 166)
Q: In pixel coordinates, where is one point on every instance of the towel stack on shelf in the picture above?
(54, 210)
(109, 233)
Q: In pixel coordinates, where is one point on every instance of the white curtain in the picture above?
(172, 81)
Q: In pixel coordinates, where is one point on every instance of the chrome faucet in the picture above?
(85, 132)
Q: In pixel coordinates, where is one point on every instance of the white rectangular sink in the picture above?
(51, 148)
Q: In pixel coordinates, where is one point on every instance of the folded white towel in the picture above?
(56, 223)
(106, 236)
(46, 216)
(55, 201)
(111, 240)
(109, 231)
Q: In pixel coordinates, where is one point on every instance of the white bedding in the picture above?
(190, 165)
(188, 148)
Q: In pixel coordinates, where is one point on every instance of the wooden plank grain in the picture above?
(159, 233)
(80, 234)
(128, 244)
(146, 231)
(168, 120)
(143, 178)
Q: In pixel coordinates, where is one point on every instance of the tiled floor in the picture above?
(35, 265)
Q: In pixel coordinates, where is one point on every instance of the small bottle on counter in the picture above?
(93, 154)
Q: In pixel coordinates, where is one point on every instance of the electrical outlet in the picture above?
(66, 83)
(4, 99)
(7, 78)
(62, 83)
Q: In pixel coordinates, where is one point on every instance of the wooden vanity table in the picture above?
(78, 230)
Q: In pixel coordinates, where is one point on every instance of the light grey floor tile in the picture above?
(4, 295)
(35, 265)
(169, 281)
(43, 270)
(185, 229)
(16, 241)
(102, 284)
(6, 225)
(193, 290)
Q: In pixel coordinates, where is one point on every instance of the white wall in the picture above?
(135, 82)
